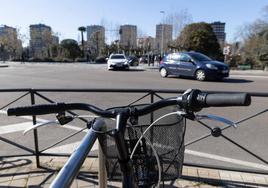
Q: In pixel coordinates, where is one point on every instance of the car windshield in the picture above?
(117, 57)
(199, 57)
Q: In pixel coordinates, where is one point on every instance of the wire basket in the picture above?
(166, 136)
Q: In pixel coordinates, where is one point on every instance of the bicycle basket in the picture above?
(167, 137)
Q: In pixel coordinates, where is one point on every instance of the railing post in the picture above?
(152, 118)
(37, 157)
(152, 101)
(102, 160)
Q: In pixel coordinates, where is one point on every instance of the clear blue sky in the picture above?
(65, 16)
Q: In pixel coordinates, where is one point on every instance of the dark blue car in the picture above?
(193, 64)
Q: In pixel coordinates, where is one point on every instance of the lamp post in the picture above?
(162, 33)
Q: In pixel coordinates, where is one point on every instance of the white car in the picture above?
(117, 61)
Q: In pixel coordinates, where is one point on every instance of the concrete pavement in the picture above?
(22, 172)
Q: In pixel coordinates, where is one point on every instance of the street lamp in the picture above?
(162, 34)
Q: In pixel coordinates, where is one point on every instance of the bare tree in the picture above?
(178, 19)
(254, 37)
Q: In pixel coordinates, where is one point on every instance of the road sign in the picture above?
(226, 50)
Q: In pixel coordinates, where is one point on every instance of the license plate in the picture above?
(119, 65)
(225, 71)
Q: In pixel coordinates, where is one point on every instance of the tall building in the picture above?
(219, 30)
(11, 46)
(95, 38)
(40, 41)
(128, 36)
(163, 37)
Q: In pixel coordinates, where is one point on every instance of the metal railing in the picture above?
(146, 93)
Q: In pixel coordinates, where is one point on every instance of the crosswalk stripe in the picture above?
(68, 148)
(15, 127)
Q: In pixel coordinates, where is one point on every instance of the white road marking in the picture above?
(69, 148)
(247, 76)
(39, 120)
(226, 159)
(15, 127)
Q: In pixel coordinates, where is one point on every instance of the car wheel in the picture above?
(163, 72)
(200, 75)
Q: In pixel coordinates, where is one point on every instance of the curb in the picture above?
(3, 66)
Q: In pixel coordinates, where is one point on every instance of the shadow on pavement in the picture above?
(130, 70)
(236, 81)
(226, 80)
(8, 164)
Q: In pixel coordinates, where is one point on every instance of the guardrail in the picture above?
(153, 95)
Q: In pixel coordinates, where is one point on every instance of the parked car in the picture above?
(143, 59)
(133, 61)
(117, 61)
(100, 60)
(193, 64)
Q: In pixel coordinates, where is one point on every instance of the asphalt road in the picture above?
(251, 134)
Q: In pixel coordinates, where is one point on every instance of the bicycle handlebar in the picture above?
(191, 100)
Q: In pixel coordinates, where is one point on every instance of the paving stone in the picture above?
(236, 177)
(115, 184)
(34, 176)
(5, 178)
(5, 184)
(185, 171)
(203, 172)
(266, 178)
(82, 183)
(259, 180)
(184, 183)
(18, 183)
(206, 186)
(192, 172)
(248, 178)
(225, 175)
(214, 174)
(35, 180)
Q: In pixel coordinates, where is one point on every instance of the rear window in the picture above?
(118, 57)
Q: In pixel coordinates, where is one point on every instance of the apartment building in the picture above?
(163, 37)
(10, 45)
(219, 30)
(95, 38)
(128, 36)
(40, 40)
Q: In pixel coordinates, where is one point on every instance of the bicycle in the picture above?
(134, 172)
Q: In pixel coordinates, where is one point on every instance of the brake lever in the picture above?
(215, 118)
(40, 125)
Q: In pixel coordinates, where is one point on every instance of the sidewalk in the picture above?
(21, 172)
(3, 65)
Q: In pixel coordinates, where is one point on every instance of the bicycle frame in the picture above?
(71, 168)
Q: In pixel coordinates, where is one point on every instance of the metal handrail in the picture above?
(151, 93)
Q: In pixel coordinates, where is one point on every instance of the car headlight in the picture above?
(126, 63)
(210, 66)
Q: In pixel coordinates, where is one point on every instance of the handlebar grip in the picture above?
(37, 109)
(227, 99)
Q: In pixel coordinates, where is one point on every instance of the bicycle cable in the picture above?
(143, 136)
